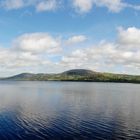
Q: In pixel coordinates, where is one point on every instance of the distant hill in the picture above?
(80, 72)
(77, 75)
(21, 76)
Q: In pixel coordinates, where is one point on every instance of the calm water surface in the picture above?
(69, 111)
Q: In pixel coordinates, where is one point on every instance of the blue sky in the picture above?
(53, 36)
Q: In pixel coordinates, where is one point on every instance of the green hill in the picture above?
(77, 75)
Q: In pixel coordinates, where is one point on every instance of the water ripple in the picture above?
(67, 111)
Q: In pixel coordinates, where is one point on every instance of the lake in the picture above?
(69, 111)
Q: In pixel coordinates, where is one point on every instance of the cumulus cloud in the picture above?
(129, 36)
(49, 5)
(32, 52)
(76, 39)
(76, 59)
(29, 52)
(12, 4)
(40, 5)
(81, 6)
(85, 6)
(103, 57)
(12, 62)
(10, 58)
(124, 54)
(114, 6)
(37, 43)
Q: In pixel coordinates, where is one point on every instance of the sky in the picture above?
(51, 36)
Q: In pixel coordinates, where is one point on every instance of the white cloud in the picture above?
(12, 4)
(10, 58)
(103, 57)
(40, 5)
(76, 59)
(83, 6)
(130, 36)
(31, 52)
(112, 5)
(135, 7)
(49, 5)
(122, 55)
(37, 43)
(76, 39)
(13, 62)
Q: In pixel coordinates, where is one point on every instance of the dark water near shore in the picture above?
(69, 111)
